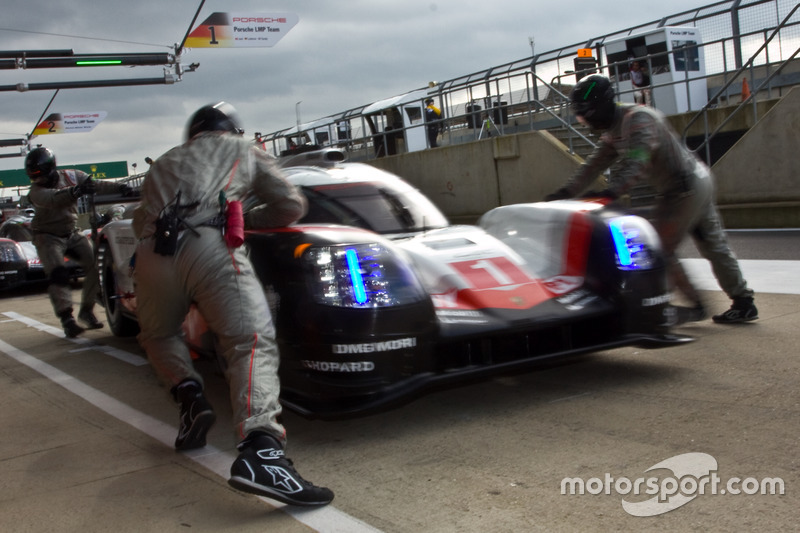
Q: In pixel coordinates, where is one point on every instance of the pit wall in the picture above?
(758, 181)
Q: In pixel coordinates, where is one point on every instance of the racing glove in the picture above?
(85, 187)
(560, 194)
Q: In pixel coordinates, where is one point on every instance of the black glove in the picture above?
(560, 194)
(85, 187)
(126, 190)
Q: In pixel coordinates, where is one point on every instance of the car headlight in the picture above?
(361, 275)
(11, 252)
(636, 243)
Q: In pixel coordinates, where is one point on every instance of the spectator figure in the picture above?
(432, 116)
(641, 82)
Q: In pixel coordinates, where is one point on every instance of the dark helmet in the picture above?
(593, 100)
(40, 165)
(214, 117)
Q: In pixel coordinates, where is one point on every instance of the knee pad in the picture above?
(59, 276)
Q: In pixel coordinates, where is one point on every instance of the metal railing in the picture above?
(749, 100)
(516, 96)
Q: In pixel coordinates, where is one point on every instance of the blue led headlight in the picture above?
(356, 279)
(361, 275)
(635, 241)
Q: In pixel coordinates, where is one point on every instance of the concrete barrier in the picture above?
(466, 180)
(757, 179)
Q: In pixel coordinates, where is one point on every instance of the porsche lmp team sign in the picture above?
(69, 122)
(233, 30)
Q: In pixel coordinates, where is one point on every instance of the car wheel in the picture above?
(121, 325)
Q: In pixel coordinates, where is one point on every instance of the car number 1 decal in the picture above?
(491, 272)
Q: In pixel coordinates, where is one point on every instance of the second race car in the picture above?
(17, 228)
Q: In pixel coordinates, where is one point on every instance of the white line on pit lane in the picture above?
(325, 519)
(87, 344)
(767, 276)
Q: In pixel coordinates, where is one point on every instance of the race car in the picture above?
(18, 228)
(376, 298)
(13, 264)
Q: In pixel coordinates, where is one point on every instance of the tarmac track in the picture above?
(88, 434)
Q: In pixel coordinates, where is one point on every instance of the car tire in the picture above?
(121, 325)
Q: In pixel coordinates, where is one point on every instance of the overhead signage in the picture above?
(100, 171)
(69, 122)
(234, 30)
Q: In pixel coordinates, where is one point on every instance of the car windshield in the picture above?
(372, 206)
(16, 231)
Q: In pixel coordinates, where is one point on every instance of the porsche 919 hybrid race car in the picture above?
(16, 229)
(13, 264)
(16, 236)
(376, 298)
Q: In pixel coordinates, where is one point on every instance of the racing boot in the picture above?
(87, 317)
(696, 313)
(742, 310)
(262, 469)
(196, 418)
(71, 328)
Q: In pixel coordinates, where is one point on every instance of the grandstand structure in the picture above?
(733, 51)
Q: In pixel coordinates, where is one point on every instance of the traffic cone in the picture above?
(745, 90)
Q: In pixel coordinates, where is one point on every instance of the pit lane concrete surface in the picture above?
(680, 439)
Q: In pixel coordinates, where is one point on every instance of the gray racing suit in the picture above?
(56, 234)
(204, 271)
(642, 146)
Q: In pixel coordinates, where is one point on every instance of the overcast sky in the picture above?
(341, 54)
